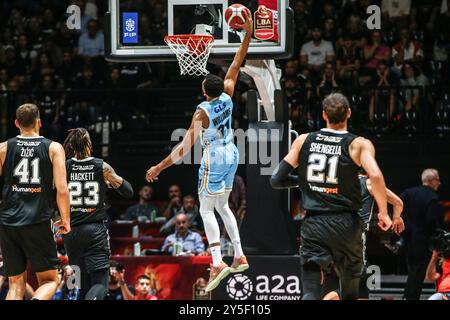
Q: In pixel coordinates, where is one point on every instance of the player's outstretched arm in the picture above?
(122, 186)
(282, 177)
(233, 71)
(370, 165)
(3, 149)
(58, 158)
(199, 120)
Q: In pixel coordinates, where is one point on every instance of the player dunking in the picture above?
(32, 167)
(88, 244)
(331, 233)
(212, 120)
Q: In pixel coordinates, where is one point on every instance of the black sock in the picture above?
(312, 281)
(99, 285)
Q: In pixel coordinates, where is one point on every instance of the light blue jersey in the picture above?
(220, 113)
(220, 155)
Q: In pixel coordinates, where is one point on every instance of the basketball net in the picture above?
(192, 52)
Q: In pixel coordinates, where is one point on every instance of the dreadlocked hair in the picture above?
(78, 143)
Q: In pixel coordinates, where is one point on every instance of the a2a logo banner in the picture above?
(263, 281)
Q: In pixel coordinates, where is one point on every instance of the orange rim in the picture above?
(184, 38)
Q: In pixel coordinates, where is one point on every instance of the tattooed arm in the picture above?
(122, 186)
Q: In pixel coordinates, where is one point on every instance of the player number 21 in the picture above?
(317, 164)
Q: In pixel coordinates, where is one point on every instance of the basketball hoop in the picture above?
(192, 51)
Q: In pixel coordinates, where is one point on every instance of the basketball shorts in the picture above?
(217, 170)
(87, 246)
(333, 240)
(33, 243)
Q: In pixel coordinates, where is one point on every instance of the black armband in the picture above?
(282, 177)
(125, 190)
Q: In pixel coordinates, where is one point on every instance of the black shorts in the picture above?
(333, 283)
(333, 240)
(34, 243)
(87, 246)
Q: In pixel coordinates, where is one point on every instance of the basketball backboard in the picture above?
(136, 29)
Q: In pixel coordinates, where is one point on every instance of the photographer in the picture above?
(439, 267)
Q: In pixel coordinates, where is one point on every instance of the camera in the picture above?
(441, 243)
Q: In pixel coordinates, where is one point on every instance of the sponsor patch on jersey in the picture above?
(321, 137)
(76, 167)
(84, 210)
(324, 189)
(23, 143)
(15, 188)
(220, 107)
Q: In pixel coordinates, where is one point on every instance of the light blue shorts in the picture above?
(217, 170)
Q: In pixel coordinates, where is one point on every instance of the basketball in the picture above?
(235, 14)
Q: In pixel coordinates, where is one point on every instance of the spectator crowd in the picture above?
(63, 70)
(385, 72)
(178, 217)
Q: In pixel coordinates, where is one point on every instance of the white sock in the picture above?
(230, 223)
(212, 229)
(216, 256)
(237, 249)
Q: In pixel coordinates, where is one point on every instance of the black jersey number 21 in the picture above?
(318, 165)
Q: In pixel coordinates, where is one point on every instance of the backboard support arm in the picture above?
(266, 76)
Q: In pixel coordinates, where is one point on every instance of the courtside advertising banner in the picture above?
(271, 278)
